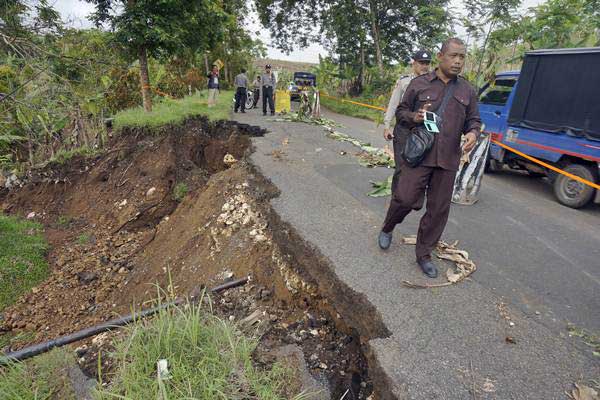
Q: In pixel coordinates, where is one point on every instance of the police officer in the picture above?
(269, 83)
(241, 91)
(420, 65)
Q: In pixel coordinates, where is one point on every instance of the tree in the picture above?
(161, 29)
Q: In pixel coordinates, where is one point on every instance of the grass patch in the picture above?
(22, 258)
(207, 359)
(43, 377)
(179, 191)
(172, 111)
(64, 220)
(353, 110)
(84, 238)
(63, 156)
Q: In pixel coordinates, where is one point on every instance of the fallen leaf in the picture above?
(409, 239)
(582, 392)
(511, 340)
(488, 386)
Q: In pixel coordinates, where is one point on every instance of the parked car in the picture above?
(549, 110)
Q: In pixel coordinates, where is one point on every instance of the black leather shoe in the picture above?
(272, 113)
(428, 268)
(264, 114)
(384, 240)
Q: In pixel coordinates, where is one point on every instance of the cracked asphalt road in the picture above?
(537, 260)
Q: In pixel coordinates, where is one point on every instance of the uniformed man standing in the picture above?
(435, 174)
(241, 91)
(269, 83)
(420, 65)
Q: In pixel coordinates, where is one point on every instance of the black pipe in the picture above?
(37, 349)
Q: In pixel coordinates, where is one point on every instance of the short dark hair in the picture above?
(243, 70)
(447, 42)
(214, 66)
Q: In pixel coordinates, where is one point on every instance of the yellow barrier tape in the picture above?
(535, 160)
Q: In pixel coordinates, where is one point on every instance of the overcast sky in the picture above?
(75, 12)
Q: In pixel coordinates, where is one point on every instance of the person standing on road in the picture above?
(213, 86)
(269, 83)
(420, 65)
(256, 88)
(435, 174)
(241, 91)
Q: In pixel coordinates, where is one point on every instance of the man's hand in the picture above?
(420, 115)
(387, 134)
(470, 142)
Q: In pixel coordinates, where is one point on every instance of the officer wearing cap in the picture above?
(269, 83)
(420, 65)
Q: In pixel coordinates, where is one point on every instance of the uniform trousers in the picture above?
(409, 194)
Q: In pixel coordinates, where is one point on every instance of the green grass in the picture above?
(179, 191)
(170, 111)
(84, 238)
(43, 377)
(62, 156)
(207, 359)
(22, 258)
(353, 110)
(64, 220)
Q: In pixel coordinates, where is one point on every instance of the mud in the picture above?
(162, 214)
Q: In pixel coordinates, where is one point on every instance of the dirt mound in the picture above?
(167, 212)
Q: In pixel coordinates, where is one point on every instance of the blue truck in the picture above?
(549, 110)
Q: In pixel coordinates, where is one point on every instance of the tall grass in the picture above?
(207, 357)
(22, 258)
(172, 111)
(44, 377)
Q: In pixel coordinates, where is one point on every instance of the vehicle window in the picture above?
(497, 93)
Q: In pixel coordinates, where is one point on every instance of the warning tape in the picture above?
(533, 159)
(353, 102)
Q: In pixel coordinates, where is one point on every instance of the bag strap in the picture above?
(447, 95)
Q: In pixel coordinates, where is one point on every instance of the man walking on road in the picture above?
(241, 91)
(435, 174)
(269, 83)
(420, 65)
(213, 86)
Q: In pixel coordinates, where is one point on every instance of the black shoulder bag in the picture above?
(419, 140)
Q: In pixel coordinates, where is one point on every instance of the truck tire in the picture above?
(572, 193)
(492, 165)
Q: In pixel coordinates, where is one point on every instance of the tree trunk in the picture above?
(375, 33)
(145, 80)
(206, 63)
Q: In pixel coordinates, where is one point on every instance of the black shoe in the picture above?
(384, 240)
(272, 113)
(243, 112)
(235, 111)
(428, 268)
(264, 114)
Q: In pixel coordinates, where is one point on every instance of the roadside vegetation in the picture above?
(44, 377)
(353, 110)
(206, 358)
(22, 258)
(173, 111)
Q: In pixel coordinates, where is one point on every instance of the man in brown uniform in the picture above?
(436, 172)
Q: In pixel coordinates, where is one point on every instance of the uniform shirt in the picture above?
(268, 79)
(460, 116)
(397, 93)
(240, 81)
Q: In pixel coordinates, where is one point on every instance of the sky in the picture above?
(75, 12)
